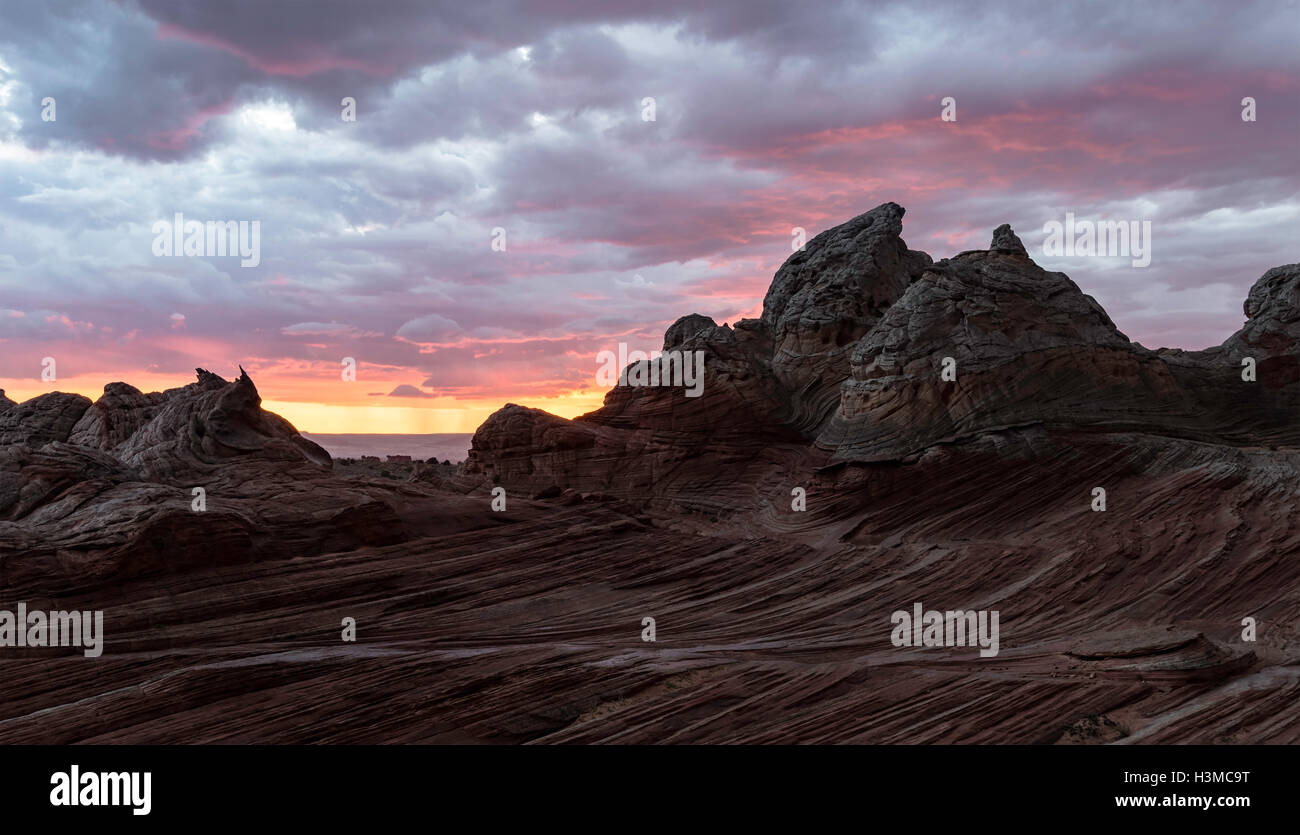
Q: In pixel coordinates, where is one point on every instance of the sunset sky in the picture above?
(376, 234)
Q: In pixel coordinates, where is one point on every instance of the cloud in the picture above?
(376, 234)
(333, 329)
(429, 328)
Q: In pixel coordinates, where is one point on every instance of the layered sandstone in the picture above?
(524, 624)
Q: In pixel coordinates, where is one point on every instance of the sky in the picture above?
(502, 207)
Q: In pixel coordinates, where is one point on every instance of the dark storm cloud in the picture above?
(117, 86)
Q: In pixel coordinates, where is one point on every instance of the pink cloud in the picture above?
(296, 68)
(178, 139)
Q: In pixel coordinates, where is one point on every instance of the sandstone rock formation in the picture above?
(524, 624)
(94, 493)
(845, 366)
(979, 491)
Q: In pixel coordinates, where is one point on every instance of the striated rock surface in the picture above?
(1116, 627)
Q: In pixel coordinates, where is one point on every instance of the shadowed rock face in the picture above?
(1272, 331)
(49, 417)
(1025, 347)
(827, 297)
